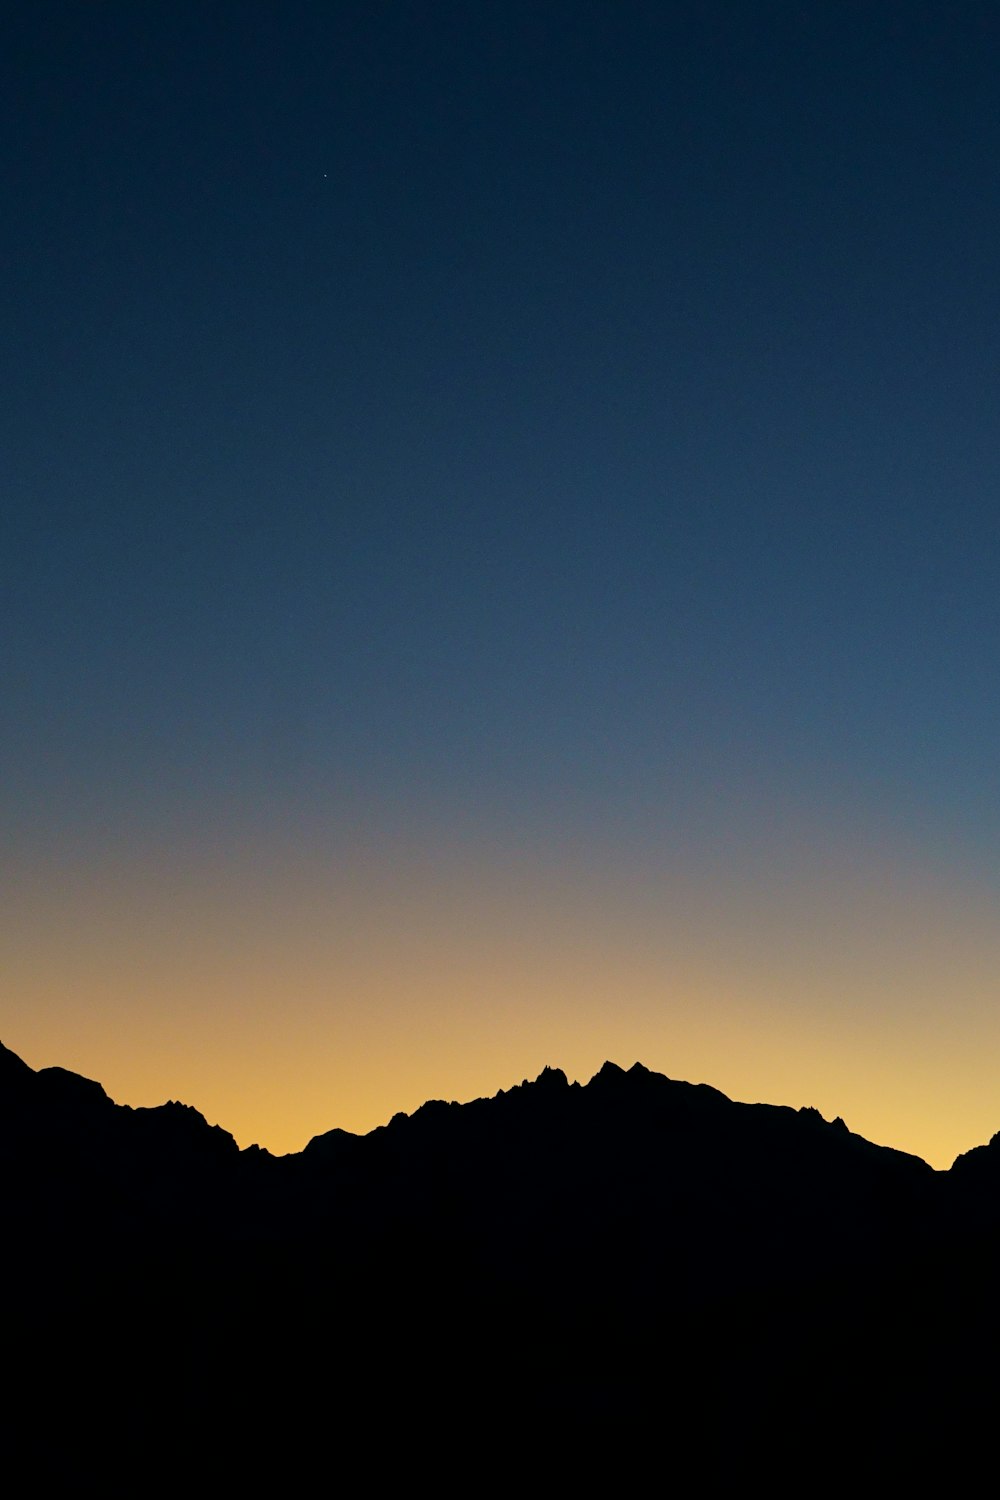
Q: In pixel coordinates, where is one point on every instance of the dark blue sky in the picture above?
(550, 412)
(499, 392)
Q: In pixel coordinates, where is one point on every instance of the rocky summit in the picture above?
(637, 1257)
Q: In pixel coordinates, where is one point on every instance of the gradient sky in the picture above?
(499, 553)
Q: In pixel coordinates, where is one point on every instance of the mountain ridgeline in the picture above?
(635, 1256)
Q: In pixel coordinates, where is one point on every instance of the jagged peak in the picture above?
(551, 1078)
(810, 1112)
(614, 1075)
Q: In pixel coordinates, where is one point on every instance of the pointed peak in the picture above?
(609, 1072)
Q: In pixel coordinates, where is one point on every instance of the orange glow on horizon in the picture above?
(285, 998)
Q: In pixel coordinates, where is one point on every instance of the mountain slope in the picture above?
(637, 1256)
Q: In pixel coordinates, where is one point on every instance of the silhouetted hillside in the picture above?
(559, 1258)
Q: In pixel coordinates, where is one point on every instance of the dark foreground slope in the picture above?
(637, 1264)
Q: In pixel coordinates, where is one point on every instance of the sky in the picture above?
(499, 542)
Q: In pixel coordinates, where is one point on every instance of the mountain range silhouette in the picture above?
(629, 1265)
